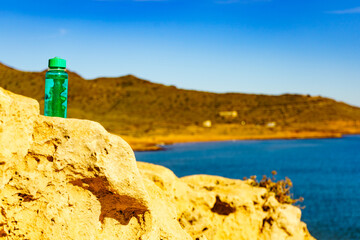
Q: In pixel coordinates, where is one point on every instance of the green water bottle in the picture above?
(56, 88)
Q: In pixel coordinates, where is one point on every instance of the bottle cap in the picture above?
(57, 63)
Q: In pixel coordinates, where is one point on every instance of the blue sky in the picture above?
(251, 46)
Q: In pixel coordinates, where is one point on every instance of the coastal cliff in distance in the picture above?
(146, 113)
(71, 179)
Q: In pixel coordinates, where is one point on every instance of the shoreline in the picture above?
(156, 143)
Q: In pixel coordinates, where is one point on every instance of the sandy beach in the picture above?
(154, 142)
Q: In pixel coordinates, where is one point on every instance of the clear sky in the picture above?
(251, 46)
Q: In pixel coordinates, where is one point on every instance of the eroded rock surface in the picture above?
(218, 208)
(71, 179)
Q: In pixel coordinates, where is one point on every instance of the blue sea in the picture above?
(326, 172)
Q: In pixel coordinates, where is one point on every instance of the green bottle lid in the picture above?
(57, 63)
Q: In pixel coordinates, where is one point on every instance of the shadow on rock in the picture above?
(119, 207)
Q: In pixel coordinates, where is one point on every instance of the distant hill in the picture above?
(131, 106)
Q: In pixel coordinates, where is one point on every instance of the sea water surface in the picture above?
(326, 172)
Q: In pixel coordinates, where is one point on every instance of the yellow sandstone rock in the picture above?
(219, 208)
(71, 179)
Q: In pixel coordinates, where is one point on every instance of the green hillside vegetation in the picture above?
(131, 106)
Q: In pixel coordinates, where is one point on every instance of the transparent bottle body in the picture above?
(56, 91)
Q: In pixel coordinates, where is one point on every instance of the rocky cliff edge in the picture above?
(71, 179)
